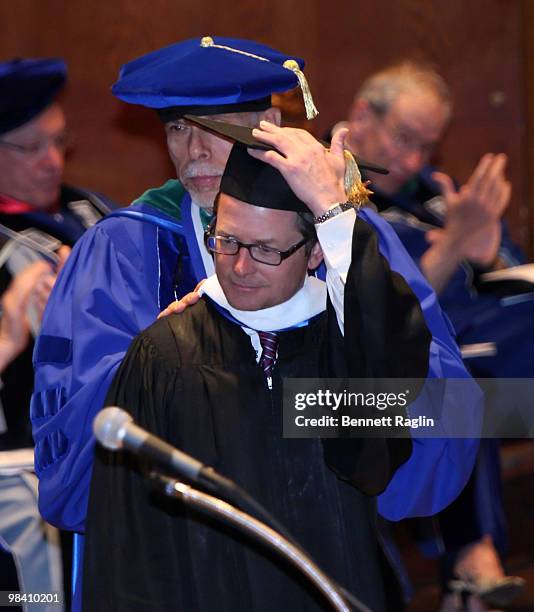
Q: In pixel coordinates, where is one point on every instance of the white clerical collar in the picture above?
(309, 301)
(207, 259)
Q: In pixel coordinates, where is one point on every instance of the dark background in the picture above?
(482, 47)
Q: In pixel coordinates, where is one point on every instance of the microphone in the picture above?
(114, 429)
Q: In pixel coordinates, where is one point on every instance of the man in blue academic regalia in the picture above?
(398, 117)
(133, 263)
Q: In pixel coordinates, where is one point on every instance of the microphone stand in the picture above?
(226, 513)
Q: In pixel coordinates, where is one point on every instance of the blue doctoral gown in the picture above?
(477, 316)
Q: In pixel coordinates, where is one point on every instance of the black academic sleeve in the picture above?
(385, 337)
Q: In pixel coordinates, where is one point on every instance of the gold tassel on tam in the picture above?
(311, 110)
(356, 190)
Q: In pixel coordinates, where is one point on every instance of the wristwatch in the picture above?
(337, 209)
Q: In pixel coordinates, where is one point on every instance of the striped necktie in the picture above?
(269, 344)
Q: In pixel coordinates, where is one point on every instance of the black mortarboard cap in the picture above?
(27, 87)
(243, 135)
(247, 178)
(252, 181)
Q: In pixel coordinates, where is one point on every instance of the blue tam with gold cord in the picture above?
(27, 87)
(208, 76)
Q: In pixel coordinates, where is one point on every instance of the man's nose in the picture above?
(243, 263)
(198, 144)
(54, 156)
(413, 160)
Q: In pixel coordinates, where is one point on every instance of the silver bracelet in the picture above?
(337, 209)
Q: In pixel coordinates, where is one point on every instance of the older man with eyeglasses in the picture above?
(34, 203)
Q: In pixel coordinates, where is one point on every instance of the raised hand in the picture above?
(472, 227)
(473, 218)
(314, 173)
(14, 325)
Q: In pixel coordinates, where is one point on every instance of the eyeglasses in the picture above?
(408, 143)
(40, 148)
(223, 245)
(403, 139)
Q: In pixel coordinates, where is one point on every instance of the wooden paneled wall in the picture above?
(478, 45)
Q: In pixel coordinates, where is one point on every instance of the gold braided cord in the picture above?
(207, 41)
(356, 190)
(290, 64)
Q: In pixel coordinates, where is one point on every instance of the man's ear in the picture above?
(273, 115)
(362, 122)
(316, 257)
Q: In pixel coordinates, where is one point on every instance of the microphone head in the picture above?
(108, 426)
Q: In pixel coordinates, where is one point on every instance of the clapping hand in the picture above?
(473, 217)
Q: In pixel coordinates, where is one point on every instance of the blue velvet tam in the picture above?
(207, 76)
(27, 87)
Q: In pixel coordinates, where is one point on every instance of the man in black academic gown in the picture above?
(205, 381)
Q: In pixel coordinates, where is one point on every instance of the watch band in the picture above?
(339, 208)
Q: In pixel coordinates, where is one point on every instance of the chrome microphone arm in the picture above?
(213, 506)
